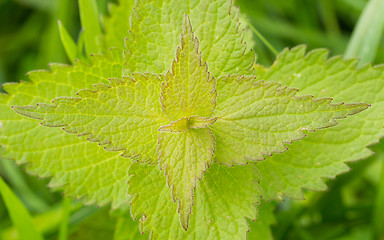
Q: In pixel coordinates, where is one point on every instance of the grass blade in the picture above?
(378, 213)
(65, 214)
(68, 43)
(260, 36)
(368, 33)
(19, 214)
(89, 17)
(18, 182)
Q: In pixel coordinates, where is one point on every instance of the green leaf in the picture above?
(86, 170)
(185, 157)
(117, 25)
(19, 214)
(323, 154)
(256, 118)
(126, 228)
(68, 43)
(185, 151)
(224, 198)
(66, 205)
(368, 33)
(124, 116)
(80, 46)
(261, 228)
(115, 225)
(189, 90)
(90, 22)
(155, 31)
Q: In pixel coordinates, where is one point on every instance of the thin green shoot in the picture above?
(65, 214)
(379, 204)
(19, 215)
(265, 41)
(68, 43)
(368, 33)
(89, 17)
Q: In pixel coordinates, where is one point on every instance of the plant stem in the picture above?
(65, 213)
(378, 214)
(265, 41)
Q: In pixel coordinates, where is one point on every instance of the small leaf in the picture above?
(189, 90)
(256, 118)
(185, 157)
(186, 146)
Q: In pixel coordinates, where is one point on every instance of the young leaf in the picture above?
(189, 90)
(155, 30)
(124, 116)
(85, 169)
(186, 153)
(324, 153)
(224, 198)
(186, 123)
(255, 119)
(185, 156)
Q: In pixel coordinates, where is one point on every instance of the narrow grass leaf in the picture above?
(19, 183)
(378, 217)
(65, 213)
(19, 214)
(80, 48)
(68, 43)
(261, 37)
(89, 17)
(368, 33)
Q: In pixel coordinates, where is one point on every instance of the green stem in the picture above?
(65, 213)
(328, 16)
(378, 213)
(265, 41)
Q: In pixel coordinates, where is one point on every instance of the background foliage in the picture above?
(353, 208)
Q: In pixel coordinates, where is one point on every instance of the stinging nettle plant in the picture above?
(177, 119)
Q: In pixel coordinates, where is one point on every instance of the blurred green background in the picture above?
(353, 208)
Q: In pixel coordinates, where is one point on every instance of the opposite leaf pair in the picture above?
(191, 121)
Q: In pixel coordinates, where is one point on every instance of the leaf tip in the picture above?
(187, 26)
